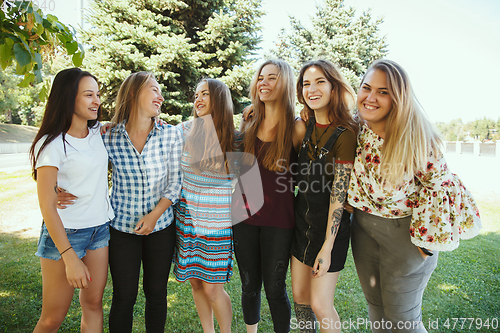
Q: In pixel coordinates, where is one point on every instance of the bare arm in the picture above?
(76, 272)
(337, 199)
(298, 134)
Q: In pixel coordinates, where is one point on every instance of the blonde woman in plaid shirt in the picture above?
(146, 184)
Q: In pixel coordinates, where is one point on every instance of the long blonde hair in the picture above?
(409, 136)
(279, 149)
(127, 101)
(200, 142)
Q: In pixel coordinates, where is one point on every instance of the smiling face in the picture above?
(202, 99)
(374, 102)
(316, 89)
(87, 99)
(267, 83)
(150, 99)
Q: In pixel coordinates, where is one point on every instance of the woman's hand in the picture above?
(322, 263)
(77, 273)
(247, 112)
(105, 127)
(348, 208)
(146, 225)
(422, 253)
(64, 199)
(304, 114)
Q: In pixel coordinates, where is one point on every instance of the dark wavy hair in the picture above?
(59, 110)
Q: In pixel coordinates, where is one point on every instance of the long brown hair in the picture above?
(201, 142)
(342, 98)
(279, 149)
(59, 110)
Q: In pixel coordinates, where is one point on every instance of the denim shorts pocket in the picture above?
(70, 231)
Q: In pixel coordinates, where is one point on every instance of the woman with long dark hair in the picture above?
(68, 152)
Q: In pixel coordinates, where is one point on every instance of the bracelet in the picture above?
(427, 252)
(63, 252)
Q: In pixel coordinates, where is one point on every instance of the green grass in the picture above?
(466, 283)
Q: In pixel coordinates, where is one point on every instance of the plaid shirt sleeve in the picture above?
(174, 182)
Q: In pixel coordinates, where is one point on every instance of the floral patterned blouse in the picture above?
(442, 209)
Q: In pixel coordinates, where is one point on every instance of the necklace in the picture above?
(315, 149)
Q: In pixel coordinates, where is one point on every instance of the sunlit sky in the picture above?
(450, 48)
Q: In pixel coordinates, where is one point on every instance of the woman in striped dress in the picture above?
(204, 253)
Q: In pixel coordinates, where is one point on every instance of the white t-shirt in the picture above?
(82, 171)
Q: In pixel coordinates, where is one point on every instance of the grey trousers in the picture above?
(392, 272)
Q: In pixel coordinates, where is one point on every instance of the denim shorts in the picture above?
(81, 240)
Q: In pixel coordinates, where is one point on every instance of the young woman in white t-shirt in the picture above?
(68, 152)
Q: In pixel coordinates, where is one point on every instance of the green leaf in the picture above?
(38, 76)
(39, 29)
(38, 59)
(52, 18)
(28, 78)
(71, 47)
(43, 93)
(23, 57)
(48, 25)
(78, 59)
(6, 53)
(21, 70)
(64, 39)
(14, 39)
(38, 17)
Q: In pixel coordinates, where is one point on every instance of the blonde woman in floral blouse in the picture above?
(407, 204)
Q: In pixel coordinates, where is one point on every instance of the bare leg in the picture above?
(91, 298)
(252, 328)
(205, 311)
(322, 296)
(221, 305)
(57, 296)
(210, 299)
(301, 288)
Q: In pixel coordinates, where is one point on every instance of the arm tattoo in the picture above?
(320, 261)
(340, 183)
(339, 193)
(55, 189)
(336, 217)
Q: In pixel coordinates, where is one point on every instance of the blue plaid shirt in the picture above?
(140, 180)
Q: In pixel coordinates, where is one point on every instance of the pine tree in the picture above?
(351, 42)
(179, 41)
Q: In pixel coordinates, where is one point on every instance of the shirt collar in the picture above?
(121, 126)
